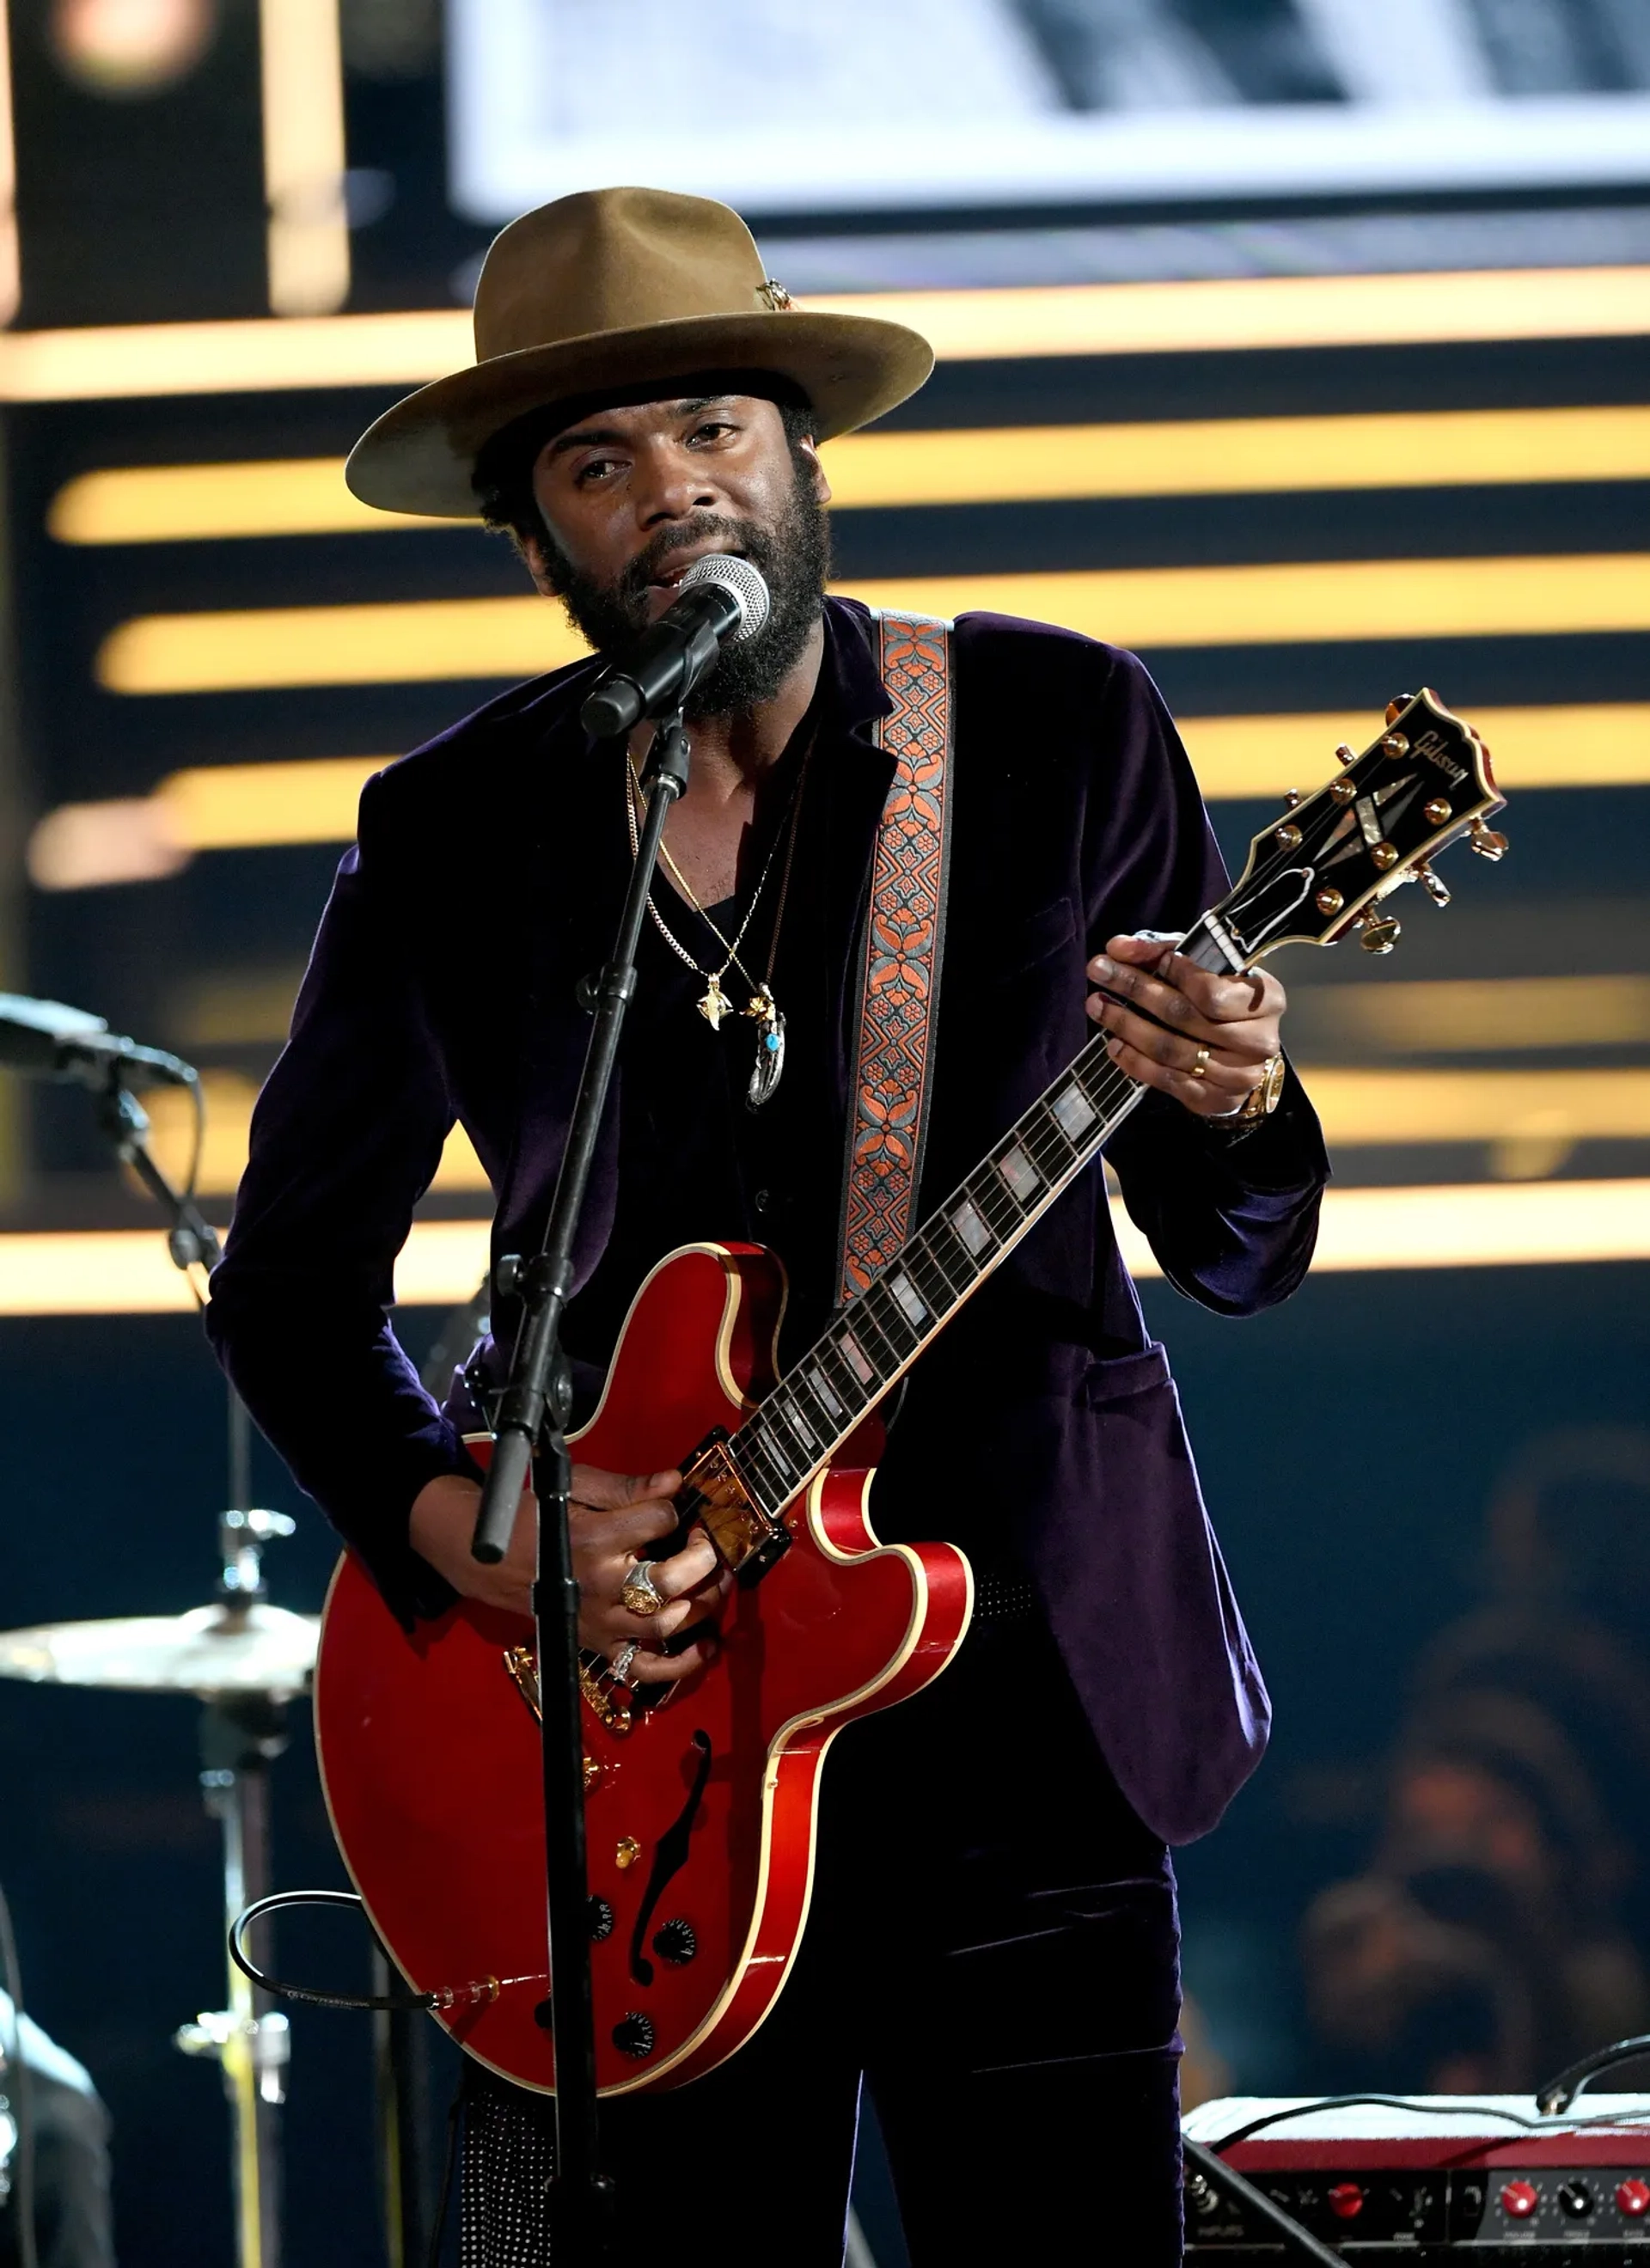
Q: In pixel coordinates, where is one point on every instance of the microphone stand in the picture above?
(530, 1435)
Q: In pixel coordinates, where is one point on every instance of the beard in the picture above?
(794, 557)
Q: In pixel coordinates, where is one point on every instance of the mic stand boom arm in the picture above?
(529, 1426)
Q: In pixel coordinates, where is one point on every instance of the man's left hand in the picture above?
(1229, 1024)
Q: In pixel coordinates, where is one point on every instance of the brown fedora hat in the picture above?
(614, 287)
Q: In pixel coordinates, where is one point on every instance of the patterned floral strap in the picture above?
(899, 984)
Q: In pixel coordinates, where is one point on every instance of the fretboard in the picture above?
(874, 1340)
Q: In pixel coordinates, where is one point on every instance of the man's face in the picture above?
(632, 497)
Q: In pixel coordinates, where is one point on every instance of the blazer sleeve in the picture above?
(1231, 1215)
(346, 1136)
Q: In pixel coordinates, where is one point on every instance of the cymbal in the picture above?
(255, 1648)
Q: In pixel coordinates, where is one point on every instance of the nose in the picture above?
(671, 485)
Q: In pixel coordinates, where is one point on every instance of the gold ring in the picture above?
(641, 1594)
(1202, 1064)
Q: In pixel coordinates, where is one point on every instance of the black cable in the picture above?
(308, 1994)
(1558, 2094)
(1296, 2239)
(1445, 2109)
(22, 2096)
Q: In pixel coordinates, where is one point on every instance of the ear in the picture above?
(532, 553)
(810, 449)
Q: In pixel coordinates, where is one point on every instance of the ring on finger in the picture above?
(619, 1665)
(1201, 1066)
(641, 1594)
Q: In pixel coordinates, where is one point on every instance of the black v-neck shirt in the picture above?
(697, 1163)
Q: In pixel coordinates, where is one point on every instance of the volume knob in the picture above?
(675, 1941)
(633, 2035)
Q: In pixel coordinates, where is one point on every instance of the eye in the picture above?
(592, 470)
(712, 429)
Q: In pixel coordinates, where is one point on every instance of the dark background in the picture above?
(1349, 1442)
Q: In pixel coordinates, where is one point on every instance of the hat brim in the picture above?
(419, 456)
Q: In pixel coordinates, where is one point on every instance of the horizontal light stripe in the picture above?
(243, 806)
(1305, 602)
(270, 647)
(1468, 1224)
(453, 639)
(180, 503)
(238, 807)
(1598, 744)
(173, 504)
(1387, 1107)
(1481, 1014)
(1358, 1107)
(129, 1271)
(1473, 1225)
(1095, 319)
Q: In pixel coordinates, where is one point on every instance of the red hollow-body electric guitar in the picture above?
(700, 1807)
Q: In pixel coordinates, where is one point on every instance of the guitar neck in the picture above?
(874, 1339)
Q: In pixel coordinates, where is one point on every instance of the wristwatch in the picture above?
(1260, 1101)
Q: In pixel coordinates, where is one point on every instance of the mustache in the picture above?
(657, 554)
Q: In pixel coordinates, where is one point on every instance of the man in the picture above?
(993, 1940)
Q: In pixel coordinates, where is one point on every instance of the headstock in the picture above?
(1325, 867)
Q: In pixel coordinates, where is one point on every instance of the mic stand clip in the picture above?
(529, 1424)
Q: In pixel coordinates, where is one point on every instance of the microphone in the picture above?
(722, 601)
(53, 1041)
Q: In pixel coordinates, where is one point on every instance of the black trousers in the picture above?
(992, 1950)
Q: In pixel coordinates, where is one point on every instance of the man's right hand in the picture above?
(614, 1518)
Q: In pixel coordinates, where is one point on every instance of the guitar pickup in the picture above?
(748, 1540)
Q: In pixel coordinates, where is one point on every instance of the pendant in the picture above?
(769, 1068)
(715, 1003)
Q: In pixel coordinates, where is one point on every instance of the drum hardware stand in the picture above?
(241, 1734)
(529, 1423)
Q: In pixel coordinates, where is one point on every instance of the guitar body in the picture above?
(430, 1754)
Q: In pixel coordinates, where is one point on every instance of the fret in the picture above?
(949, 1254)
(784, 1409)
(1052, 1150)
(1018, 1174)
(991, 1201)
(879, 1308)
(821, 1408)
(971, 1228)
(929, 1277)
(756, 1440)
(1073, 1111)
(839, 1374)
(738, 1452)
(861, 1363)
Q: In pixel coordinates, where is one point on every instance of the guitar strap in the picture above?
(905, 940)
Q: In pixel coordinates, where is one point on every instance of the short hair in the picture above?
(503, 477)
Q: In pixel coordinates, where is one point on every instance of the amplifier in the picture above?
(1443, 2177)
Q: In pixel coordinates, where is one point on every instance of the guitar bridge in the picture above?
(609, 1700)
(748, 1540)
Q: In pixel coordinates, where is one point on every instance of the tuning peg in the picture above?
(1395, 708)
(1291, 796)
(1378, 932)
(1486, 842)
(1434, 885)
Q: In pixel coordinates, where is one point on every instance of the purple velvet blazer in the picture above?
(486, 879)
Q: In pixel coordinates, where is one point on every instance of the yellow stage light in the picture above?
(175, 503)
(1471, 1225)
(1360, 1107)
(1594, 744)
(1098, 319)
(433, 638)
(1487, 1014)
(421, 640)
(308, 233)
(239, 806)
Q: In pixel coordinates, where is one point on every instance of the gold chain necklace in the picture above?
(714, 1005)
